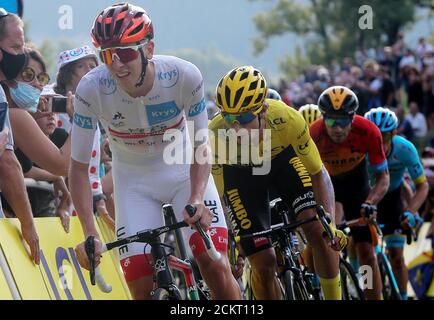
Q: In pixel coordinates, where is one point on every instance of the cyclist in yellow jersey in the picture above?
(287, 161)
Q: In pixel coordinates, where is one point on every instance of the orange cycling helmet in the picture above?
(121, 25)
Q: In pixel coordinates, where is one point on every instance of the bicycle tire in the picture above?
(293, 288)
(349, 283)
(164, 294)
(390, 291)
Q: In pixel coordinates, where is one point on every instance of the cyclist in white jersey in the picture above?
(138, 97)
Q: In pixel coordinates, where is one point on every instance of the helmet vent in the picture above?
(247, 101)
(110, 13)
(253, 85)
(232, 75)
(99, 27)
(219, 99)
(238, 96)
(228, 96)
(138, 14)
(244, 76)
(118, 26)
(259, 98)
(107, 29)
(137, 29)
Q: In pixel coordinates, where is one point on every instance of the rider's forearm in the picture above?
(82, 197)
(199, 175)
(13, 187)
(419, 197)
(39, 174)
(324, 192)
(380, 188)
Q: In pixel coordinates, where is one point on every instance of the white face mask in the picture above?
(25, 96)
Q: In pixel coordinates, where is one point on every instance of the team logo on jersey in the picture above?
(82, 121)
(169, 78)
(107, 85)
(197, 108)
(304, 148)
(162, 112)
(117, 120)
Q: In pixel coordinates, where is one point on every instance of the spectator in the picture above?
(387, 90)
(418, 123)
(73, 65)
(28, 137)
(422, 48)
(415, 90)
(404, 126)
(12, 60)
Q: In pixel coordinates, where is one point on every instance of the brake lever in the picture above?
(89, 246)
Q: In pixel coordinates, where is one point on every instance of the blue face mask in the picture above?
(25, 96)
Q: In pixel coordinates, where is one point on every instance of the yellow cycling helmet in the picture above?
(241, 89)
(310, 113)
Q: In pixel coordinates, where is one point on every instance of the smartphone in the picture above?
(3, 114)
(58, 104)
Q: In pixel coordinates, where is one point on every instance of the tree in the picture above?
(332, 27)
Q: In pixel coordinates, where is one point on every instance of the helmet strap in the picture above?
(144, 66)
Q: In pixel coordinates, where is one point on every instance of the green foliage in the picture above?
(293, 65)
(332, 26)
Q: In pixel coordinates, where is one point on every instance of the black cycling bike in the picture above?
(164, 284)
(295, 280)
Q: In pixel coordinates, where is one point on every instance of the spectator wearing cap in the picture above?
(73, 65)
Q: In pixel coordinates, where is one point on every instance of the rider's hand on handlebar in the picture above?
(369, 211)
(340, 239)
(80, 252)
(408, 220)
(203, 215)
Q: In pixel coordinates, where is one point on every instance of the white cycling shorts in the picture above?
(139, 193)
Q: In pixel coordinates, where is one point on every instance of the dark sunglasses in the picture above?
(29, 74)
(124, 55)
(334, 122)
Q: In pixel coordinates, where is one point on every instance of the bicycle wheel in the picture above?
(165, 294)
(294, 288)
(349, 282)
(390, 287)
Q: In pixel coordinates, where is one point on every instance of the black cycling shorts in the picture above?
(351, 190)
(390, 209)
(248, 198)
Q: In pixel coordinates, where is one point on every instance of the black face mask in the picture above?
(12, 64)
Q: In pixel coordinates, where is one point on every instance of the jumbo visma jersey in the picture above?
(287, 129)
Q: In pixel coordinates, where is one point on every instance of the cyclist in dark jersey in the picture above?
(344, 139)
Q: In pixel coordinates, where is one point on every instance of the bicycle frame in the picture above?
(162, 262)
(184, 266)
(377, 239)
